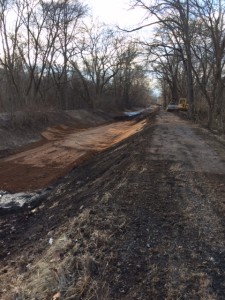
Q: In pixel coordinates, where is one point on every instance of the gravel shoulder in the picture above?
(142, 220)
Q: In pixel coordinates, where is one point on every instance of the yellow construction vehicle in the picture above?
(182, 104)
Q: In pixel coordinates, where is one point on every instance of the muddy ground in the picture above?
(24, 127)
(62, 148)
(141, 220)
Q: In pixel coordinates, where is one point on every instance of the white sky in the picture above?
(119, 12)
(116, 12)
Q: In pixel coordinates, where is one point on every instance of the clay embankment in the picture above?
(62, 148)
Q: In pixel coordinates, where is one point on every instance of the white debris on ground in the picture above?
(17, 201)
(133, 113)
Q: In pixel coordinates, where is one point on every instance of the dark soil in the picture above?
(138, 222)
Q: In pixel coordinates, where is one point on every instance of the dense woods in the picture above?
(187, 53)
(53, 56)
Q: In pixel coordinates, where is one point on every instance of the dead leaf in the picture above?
(56, 296)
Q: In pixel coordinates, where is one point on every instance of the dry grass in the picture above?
(29, 119)
(73, 266)
(178, 288)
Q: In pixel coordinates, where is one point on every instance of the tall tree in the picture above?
(178, 18)
(99, 48)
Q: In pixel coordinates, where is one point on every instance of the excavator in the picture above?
(182, 104)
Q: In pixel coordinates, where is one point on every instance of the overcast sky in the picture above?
(116, 12)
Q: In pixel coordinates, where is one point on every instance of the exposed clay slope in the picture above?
(24, 127)
(63, 148)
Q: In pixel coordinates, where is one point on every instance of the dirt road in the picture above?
(62, 148)
(142, 220)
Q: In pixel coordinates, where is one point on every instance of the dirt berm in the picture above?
(141, 220)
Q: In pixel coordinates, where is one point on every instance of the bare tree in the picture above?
(51, 58)
(65, 17)
(98, 47)
(177, 17)
(194, 45)
(9, 60)
(209, 52)
(40, 39)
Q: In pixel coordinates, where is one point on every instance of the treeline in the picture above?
(187, 52)
(53, 56)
